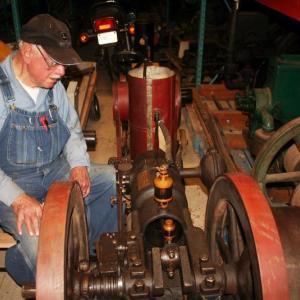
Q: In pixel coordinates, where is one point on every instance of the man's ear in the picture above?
(27, 51)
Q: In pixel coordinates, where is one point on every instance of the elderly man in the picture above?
(41, 142)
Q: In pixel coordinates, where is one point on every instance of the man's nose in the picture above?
(60, 70)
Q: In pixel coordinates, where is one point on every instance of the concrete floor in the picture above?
(106, 148)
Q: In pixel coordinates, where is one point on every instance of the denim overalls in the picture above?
(31, 146)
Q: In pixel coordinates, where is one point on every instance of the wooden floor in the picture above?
(8, 289)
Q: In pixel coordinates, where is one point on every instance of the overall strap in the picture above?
(51, 106)
(6, 88)
(50, 97)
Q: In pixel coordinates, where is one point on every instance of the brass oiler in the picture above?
(169, 230)
(163, 184)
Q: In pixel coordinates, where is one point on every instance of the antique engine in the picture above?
(157, 253)
(158, 257)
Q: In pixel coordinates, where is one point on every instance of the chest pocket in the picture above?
(32, 144)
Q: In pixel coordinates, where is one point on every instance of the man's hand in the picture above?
(29, 211)
(81, 175)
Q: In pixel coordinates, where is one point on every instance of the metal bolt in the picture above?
(139, 285)
(137, 262)
(133, 257)
(113, 200)
(210, 281)
(84, 266)
(171, 274)
(171, 253)
(204, 258)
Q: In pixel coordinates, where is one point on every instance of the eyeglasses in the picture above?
(51, 64)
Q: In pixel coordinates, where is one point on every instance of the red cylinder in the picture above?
(154, 93)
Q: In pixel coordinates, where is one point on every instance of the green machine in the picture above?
(279, 101)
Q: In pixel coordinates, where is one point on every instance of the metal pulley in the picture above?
(212, 165)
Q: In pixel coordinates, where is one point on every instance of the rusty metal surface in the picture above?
(120, 100)
(288, 222)
(147, 96)
(255, 245)
(62, 241)
(267, 241)
(120, 112)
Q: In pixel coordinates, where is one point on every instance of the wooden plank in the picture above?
(82, 92)
(223, 105)
(210, 105)
(6, 240)
(9, 290)
(196, 131)
(235, 139)
(232, 104)
(219, 91)
(88, 99)
(231, 120)
(71, 92)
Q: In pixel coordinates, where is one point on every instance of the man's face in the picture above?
(42, 69)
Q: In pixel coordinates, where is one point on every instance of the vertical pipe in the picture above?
(168, 12)
(71, 8)
(201, 34)
(16, 18)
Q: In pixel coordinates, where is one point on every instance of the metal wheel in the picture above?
(281, 138)
(242, 235)
(62, 242)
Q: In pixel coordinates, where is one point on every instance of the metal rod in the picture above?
(16, 18)
(29, 291)
(190, 172)
(201, 36)
(283, 177)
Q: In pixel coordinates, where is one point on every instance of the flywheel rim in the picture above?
(260, 230)
(62, 242)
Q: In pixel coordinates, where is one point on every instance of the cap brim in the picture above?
(63, 56)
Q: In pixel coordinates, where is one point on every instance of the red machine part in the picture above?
(120, 110)
(290, 8)
(62, 242)
(242, 231)
(158, 91)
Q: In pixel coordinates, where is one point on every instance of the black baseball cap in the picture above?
(53, 35)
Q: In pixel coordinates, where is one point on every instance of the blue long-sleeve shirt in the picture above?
(75, 149)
